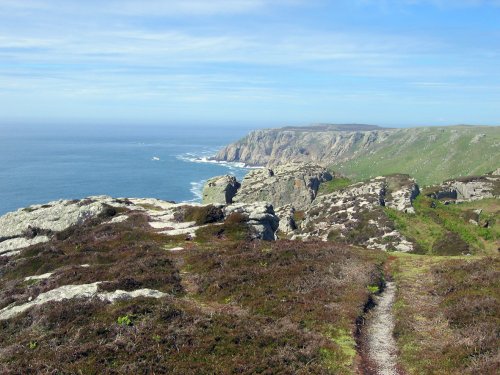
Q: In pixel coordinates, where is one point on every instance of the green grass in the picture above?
(415, 152)
(334, 185)
(441, 229)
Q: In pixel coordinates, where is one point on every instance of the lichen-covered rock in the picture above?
(296, 184)
(220, 189)
(54, 216)
(356, 215)
(35, 224)
(260, 216)
(286, 217)
(468, 188)
(400, 192)
(67, 292)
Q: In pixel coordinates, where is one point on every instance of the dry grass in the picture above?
(448, 314)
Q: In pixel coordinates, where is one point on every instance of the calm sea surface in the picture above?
(44, 164)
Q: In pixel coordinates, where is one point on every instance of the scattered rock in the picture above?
(39, 277)
(355, 214)
(176, 249)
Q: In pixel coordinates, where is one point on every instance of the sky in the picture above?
(241, 62)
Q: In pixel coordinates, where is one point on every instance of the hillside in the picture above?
(357, 279)
(430, 154)
(114, 294)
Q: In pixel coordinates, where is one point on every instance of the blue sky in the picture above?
(262, 62)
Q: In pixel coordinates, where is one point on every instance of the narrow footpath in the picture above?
(381, 348)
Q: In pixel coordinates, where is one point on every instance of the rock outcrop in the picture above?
(260, 216)
(77, 291)
(468, 189)
(39, 223)
(355, 214)
(35, 224)
(293, 184)
(220, 190)
(286, 217)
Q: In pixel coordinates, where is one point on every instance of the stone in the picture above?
(10, 247)
(468, 189)
(356, 215)
(220, 190)
(39, 277)
(260, 216)
(287, 223)
(293, 184)
(77, 291)
(400, 192)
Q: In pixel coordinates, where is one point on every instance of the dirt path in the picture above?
(380, 344)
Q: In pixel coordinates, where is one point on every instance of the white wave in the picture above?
(192, 158)
(197, 190)
(155, 158)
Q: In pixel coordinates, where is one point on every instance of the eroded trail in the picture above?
(380, 344)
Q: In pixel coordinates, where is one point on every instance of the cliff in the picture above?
(430, 154)
(320, 143)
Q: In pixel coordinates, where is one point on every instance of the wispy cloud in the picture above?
(234, 51)
(146, 7)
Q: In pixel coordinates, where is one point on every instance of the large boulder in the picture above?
(259, 215)
(296, 184)
(468, 188)
(287, 220)
(220, 190)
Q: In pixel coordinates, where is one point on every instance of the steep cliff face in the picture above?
(430, 154)
(320, 144)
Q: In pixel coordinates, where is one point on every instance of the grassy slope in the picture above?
(234, 307)
(448, 314)
(440, 229)
(431, 155)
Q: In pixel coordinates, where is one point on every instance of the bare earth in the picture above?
(381, 344)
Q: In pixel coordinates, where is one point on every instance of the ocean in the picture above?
(42, 164)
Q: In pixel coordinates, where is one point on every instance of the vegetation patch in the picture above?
(448, 314)
(454, 229)
(336, 184)
(234, 306)
(201, 215)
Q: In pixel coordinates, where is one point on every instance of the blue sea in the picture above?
(39, 164)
